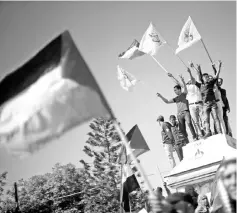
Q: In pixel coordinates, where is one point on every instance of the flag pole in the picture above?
(160, 174)
(121, 190)
(176, 55)
(159, 63)
(153, 198)
(16, 196)
(206, 50)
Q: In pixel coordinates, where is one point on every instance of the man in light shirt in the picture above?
(194, 98)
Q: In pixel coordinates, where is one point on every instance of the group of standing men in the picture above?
(196, 100)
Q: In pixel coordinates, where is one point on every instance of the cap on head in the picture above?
(160, 118)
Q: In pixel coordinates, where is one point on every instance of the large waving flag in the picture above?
(137, 143)
(151, 41)
(50, 94)
(132, 52)
(188, 36)
(127, 80)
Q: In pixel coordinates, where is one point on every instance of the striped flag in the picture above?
(188, 36)
(132, 52)
(47, 96)
(127, 80)
(151, 41)
(137, 143)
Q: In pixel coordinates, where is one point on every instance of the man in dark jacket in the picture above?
(226, 108)
(190, 190)
(167, 139)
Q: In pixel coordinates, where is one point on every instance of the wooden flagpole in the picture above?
(156, 203)
(159, 63)
(206, 50)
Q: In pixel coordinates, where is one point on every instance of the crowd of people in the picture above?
(197, 100)
(222, 199)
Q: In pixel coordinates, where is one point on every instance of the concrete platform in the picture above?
(201, 160)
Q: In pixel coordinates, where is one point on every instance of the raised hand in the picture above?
(199, 67)
(220, 63)
(170, 75)
(158, 94)
(191, 64)
(181, 77)
(188, 70)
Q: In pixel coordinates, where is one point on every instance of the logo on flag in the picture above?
(151, 41)
(188, 36)
(155, 38)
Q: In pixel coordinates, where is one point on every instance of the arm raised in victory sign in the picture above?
(191, 76)
(164, 99)
(174, 79)
(219, 70)
(184, 84)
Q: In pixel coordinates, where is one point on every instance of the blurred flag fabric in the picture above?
(188, 36)
(137, 143)
(151, 41)
(127, 80)
(47, 96)
(132, 52)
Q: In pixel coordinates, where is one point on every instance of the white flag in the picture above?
(151, 41)
(188, 36)
(127, 81)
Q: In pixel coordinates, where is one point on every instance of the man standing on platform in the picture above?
(167, 139)
(179, 138)
(226, 107)
(194, 98)
(183, 113)
(209, 100)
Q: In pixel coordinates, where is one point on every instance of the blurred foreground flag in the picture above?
(151, 41)
(47, 96)
(188, 36)
(132, 52)
(127, 81)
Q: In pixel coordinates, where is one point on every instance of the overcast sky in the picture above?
(101, 31)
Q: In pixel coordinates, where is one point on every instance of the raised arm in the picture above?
(191, 76)
(214, 68)
(219, 70)
(164, 99)
(199, 73)
(184, 84)
(174, 79)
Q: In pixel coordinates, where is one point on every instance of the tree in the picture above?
(3, 178)
(102, 179)
(41, 193)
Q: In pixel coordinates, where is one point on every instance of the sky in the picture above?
(101, 31)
